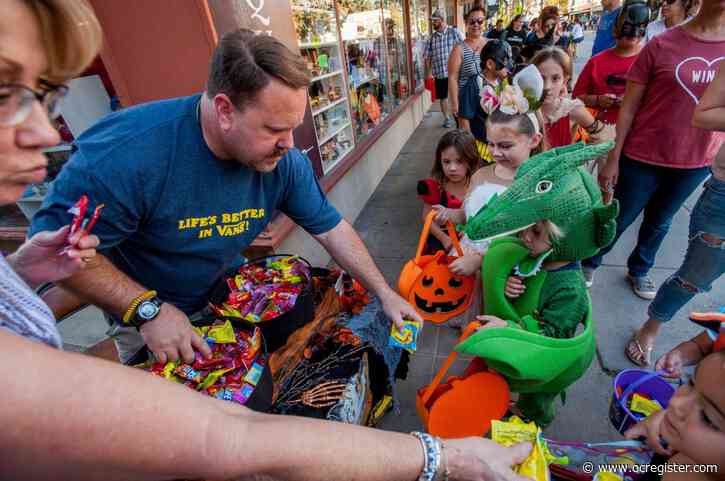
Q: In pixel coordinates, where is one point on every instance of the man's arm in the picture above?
(169, 336)
(71, 416)
(348, 250)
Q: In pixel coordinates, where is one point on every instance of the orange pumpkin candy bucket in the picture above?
(428, 284)
(465, 405)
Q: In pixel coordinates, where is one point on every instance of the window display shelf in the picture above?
(331, 135)
(327, 75)
(327, 167)
(357, 83)
(328, 106)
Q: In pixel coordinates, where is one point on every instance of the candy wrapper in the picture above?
(515, 431)
(264, 291)
(407, 338)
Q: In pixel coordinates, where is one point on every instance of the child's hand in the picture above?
(466, 265)
(444, 215)
(514, 287)
(671, 363)
(491, 321)
(650, 428)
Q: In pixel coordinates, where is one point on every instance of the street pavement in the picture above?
(390, 225)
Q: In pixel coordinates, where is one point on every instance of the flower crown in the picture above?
(523, 97)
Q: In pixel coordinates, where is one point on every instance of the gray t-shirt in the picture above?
(22, 312)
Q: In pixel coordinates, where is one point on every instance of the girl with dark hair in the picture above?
(456, 161)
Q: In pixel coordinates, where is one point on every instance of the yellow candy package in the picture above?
(515, 431)
(222, 334)
(644, 406)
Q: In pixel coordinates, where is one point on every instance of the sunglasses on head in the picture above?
(478, 21)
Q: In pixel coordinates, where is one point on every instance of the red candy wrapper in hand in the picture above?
(79, 210)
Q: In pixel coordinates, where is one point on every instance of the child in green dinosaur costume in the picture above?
(556, 208)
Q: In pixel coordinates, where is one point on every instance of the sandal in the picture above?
(636, 354)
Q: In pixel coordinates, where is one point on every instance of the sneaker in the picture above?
(449, 123)
(643, 287)
(588, 276)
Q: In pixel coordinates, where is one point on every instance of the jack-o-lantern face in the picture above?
(438, 294)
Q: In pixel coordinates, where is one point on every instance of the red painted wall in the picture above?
(156, 49)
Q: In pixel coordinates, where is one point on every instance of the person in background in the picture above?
(674, 12)
(464, 67)
(659, 159)
(602, 81)
(547, 35)
(604, 38)
(440, 46)
(71, 416)
(577, 36)
(496, 32)
(704, 261)
(515, 35)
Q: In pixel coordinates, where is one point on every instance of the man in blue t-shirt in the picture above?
(187, 184)
(605, 34)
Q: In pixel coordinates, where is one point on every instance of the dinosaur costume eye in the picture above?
(544, 186)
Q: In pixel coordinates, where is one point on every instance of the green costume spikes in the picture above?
(553, 186)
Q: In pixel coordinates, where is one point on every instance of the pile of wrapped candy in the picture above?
(231, 373)
(266, 290)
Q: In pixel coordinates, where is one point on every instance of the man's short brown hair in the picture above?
(244, 63)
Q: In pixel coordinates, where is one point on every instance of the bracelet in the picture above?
(134, 304)
(432, 451)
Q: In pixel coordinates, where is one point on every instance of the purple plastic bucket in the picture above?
(632, 381)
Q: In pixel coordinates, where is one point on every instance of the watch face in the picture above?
(148, 310)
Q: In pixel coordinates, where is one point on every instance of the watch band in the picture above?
(131, 311)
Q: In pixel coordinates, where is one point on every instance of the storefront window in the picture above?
(362, 36)
(398, 86)
(419, 18)
(316, 26)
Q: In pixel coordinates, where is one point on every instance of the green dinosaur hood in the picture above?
(553, 186)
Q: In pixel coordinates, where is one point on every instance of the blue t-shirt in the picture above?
(175, 215)
(605, 37)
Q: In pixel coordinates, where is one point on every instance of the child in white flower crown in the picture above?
(513, 130)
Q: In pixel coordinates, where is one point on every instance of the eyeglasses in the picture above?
(478, 21)
(670, 2)
(16, 102)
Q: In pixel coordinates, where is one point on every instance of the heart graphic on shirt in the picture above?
(694, 74)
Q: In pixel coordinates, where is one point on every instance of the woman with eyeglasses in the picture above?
(464, 67)
(547, 35)
(659, 158)
(71, 416)
(674, 12)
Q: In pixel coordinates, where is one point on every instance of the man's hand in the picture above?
(479, 459)
(650, 428)
(466, 265)
(170, 336)
(38, 260)
(608, 176)
(514, 287)
(398, 308)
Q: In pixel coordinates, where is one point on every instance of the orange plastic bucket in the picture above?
(462, 406)
(429, 285)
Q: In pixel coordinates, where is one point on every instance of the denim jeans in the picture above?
(660, 192)
(705, 258)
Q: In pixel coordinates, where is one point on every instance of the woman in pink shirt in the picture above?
(659, 158)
